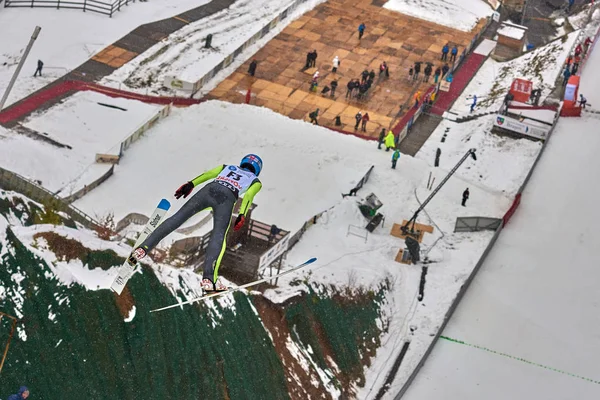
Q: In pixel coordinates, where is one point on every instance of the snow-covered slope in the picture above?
(533, 305)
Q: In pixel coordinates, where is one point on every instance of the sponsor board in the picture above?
(271, 255)
(523, 128)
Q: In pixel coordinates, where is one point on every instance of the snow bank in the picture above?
(459, 14)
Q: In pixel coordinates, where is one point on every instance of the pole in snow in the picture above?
(34, 36)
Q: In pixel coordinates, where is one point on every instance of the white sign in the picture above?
(514, 125)
(496, 14)
(177, 84)
(445, 85)
(271, 255)
(570, 92)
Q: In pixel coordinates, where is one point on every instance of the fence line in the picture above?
(15, 182)
(101, 7)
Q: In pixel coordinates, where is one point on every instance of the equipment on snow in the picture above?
(231, 290)
(126, 270)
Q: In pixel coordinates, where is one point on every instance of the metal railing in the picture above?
(101, 7)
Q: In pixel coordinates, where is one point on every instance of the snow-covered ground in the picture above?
(81, 123)
(535, 297)
(69, 37)
(532, 308)
(459, 14)
(306, 170)
(491, 83)
(502, 162)
(183, 55)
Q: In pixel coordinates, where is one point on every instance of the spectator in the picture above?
(586, 45)
(313, 117)
(336, 64)
(578, 49)
(417, 98)
(372, 74)
(465, 197)
(334, 85)
(445, 70)
(361, 31)
(453, 53)
(383, 69)
(22, 394)
(308, 60)
(436, 75)
(576, 62)
(395, 158)
(417, 69)
(571, 2)
(569, 60)
(252, 68)
(582, 101)
(364, 76)
(358, 118)
(365, 119)
(350, 88)
(427, 73)
(410, 74)
(474, 104)
(40, 65)
(316, 75)
(390, 141)
(381, 138)
(566, 76)
(445, 50)
(313, 58)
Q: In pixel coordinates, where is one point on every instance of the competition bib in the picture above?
(236, 179)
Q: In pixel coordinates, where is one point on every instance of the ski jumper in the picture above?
(229, 182)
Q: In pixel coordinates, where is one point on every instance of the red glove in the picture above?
(184, 190)
(239, 222)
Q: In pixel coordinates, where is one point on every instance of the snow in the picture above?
(131, 315)
(502, 162)
(522, 301)
(485, 47)
(68, 38)
(84, 125)
(512, 31)
(182, 54)
(542, 66)
(539, 114)
(458, 14)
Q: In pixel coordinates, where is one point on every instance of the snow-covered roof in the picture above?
(512, 31)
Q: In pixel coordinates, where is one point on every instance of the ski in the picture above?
(231, 290)
(126, 270)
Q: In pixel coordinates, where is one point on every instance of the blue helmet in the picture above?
(253, 163)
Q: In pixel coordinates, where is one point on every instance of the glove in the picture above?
(184, 190)
(239, 222)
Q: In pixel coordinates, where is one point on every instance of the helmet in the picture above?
(253, 163)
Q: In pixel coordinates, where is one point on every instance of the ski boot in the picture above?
(209, 287)
(137, 255)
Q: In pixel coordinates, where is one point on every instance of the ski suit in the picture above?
(229, 182)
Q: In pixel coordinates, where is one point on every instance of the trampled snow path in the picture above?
(458, 14)
(69, 37)
(536, 296)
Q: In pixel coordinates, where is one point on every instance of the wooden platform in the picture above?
(420, 228)
(282, 85)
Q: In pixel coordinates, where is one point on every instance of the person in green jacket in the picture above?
(390, 141)
(228, 183)
(395, 158)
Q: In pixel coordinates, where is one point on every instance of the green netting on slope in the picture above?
(348, 325)
(88, 350)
